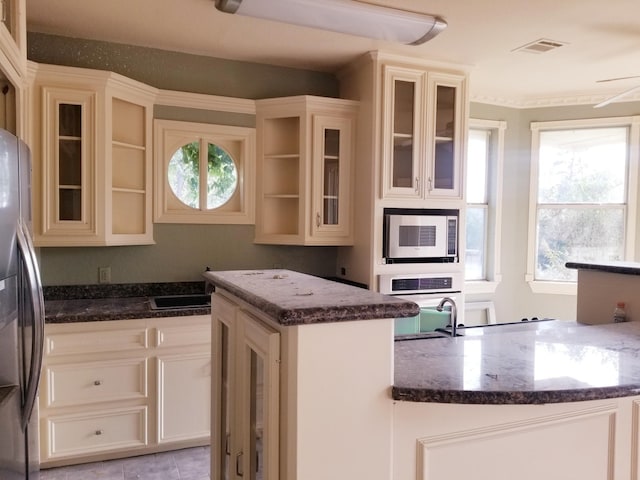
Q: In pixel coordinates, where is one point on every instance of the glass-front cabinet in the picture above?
(68, 193)
(304, 162)
(422, 133)
(331, 175)
(92, 158)
(245, 428)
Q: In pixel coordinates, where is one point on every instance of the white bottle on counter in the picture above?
(619, 314)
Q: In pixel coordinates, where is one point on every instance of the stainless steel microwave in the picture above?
(420, 235)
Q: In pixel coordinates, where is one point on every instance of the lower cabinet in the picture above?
(116, 388)
(246, 395)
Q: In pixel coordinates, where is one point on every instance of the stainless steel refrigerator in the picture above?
(21, 316)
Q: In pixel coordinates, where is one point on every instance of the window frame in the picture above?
(630, 122)
(493, 232)
(171, 134)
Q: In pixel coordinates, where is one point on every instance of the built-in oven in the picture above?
(427, 290)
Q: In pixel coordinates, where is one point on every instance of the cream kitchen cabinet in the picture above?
(13, 38)
(92, 157)
(305, 182)
(114, 388)
(424, 120)
(245, 392)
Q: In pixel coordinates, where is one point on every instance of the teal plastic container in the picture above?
(407, 326)
(430, 319)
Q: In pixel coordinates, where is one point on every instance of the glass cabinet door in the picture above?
(331, 175)
(445, 169)
(403, 120)
(68, 168)
(223, 353)
(258, 454)
(69, 140)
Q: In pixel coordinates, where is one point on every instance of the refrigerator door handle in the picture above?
(37, 302)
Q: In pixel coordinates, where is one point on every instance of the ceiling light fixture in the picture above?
(344, 16)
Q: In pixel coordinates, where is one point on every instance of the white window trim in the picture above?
(494, 228)
(165, 132)
(633, 122)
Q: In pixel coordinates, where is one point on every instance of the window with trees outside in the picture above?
(485, 151)
(583, 190)
(204, 173)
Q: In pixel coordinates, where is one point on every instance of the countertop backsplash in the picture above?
(121, 290)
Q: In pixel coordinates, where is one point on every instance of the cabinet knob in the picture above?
(97, 382)
(98, 432)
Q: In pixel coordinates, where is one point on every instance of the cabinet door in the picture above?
(402, 133)
(68, 157)
(256, 455)
(223, 340)
(184, 397)
(445, 134)
(332, 153)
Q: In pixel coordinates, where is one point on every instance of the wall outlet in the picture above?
(104, 275)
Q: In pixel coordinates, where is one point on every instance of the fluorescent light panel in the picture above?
(343, 16)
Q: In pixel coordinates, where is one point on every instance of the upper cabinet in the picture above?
(13, 36)
(423, 133)
(305, 183)
(92, 158)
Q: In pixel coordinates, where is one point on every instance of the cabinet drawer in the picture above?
(82, 383)
(80, 434)
(183, 336)
(62, 343)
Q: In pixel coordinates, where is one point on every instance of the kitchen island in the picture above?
(341, 399)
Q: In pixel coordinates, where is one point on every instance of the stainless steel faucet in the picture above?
(454, 313)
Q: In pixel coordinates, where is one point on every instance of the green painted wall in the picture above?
(180, 71)
(182, 252)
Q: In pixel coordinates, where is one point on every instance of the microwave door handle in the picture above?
(37, 304)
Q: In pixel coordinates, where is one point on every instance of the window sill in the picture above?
(480, 286)
(554, 288)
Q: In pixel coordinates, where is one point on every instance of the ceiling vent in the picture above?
(540, 46)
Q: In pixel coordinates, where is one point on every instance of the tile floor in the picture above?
(187, 464)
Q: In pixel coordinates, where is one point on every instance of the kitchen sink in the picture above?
(173, 302)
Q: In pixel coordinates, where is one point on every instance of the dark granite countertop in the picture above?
(293, 298)
(543, 362)
(626, 268)
(92, 303)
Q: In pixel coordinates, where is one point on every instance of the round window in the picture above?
(189, 168)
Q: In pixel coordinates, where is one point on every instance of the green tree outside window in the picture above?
(187, 171)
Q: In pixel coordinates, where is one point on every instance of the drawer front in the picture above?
(60, 343)
(183, 336)
(86, 383)
(81, 434)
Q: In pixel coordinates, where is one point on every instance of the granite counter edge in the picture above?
(427, 395)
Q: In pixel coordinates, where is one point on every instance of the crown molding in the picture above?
(543, 102)
(202, 101)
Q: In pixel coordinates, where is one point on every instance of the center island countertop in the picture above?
(538, 362)
(293, 298)
(541, 362)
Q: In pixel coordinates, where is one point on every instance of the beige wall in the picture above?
(513, 298)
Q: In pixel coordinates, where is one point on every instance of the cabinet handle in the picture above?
(430, 184)
(317, 219)
(98, 432)
(227, 445)
(417, 185)
(97, 382)
(239, 471)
